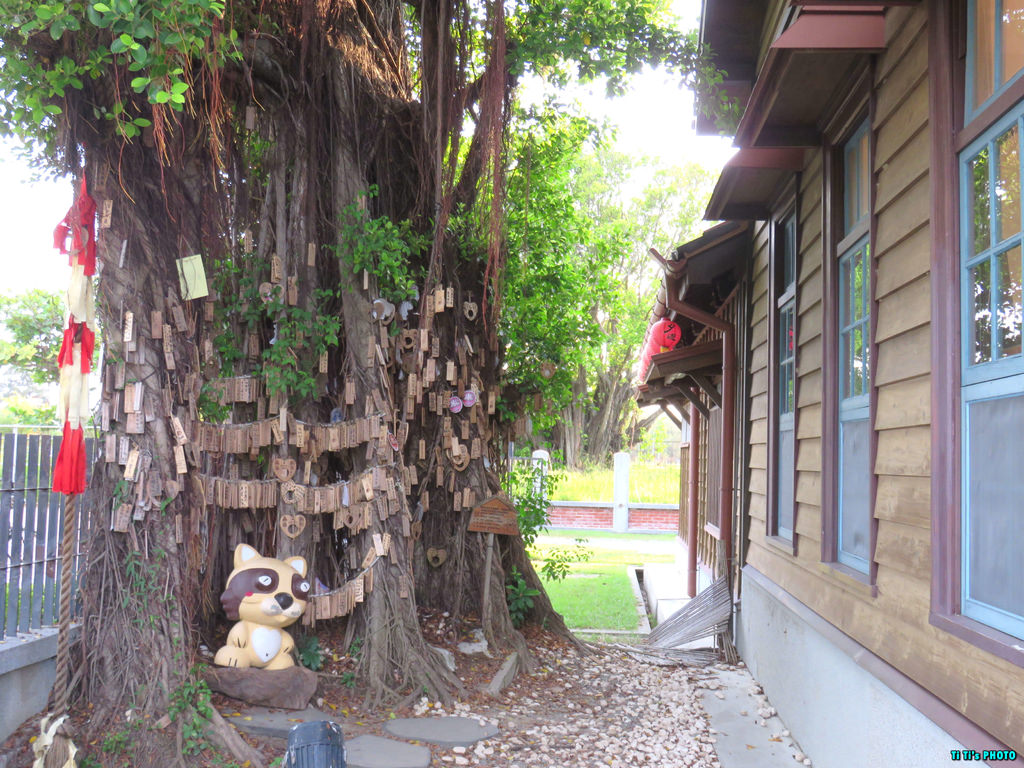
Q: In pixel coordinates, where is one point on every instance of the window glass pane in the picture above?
(850, 185)
(783, 334)
(980, 207)
(865, 176)
(981, 322)
(1008, 184)
(785, 484)
(858, 360)
(1013, 38)
(867, 279)
(984, 47)
(789, 253)
(865, 372)
(790, 389)
(858, 285)
(844, 293)
(854, 510)
(845, 356)
(995, 488)
(1008, 302)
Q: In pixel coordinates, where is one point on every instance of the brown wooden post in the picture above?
(691, 520)
(728, 408)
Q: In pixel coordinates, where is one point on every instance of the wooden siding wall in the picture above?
(894, 623)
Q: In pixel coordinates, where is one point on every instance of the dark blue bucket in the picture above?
(319, 744)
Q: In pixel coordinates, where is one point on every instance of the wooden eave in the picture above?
(793, 95)
(836, 28)
(748, 182)
(699, 358)
(815, 47)
(731, 29)
(847, 4)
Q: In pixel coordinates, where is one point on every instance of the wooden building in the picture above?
(878, 456)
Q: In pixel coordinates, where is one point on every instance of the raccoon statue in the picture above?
(263, 594)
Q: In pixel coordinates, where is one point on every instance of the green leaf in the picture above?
(101, 7)
(139, 84)
(142, 122)
(162, 97)
(44, 13)
(140, 54)
(118, 46)
(179, 88)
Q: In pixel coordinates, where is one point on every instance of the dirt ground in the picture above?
(580, 708)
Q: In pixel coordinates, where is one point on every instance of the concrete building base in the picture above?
(830, 690)
(28, 668)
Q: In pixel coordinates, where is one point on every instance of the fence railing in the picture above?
(31, 519)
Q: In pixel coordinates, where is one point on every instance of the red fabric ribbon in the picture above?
(77, 332)
(69, 470)
(80, 222)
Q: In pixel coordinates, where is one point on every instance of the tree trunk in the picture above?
(325, 121)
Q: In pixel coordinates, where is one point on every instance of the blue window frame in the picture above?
(853, 527)
(786, 377)
(995, 51)
(992, 375)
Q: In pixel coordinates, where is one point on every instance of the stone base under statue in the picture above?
(290, 688)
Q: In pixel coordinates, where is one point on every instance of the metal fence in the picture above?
(31, 518)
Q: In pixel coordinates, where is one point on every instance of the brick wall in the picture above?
(580, 517)
(647, 519)
(640, 518)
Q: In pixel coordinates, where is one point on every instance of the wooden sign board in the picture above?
(494, 515)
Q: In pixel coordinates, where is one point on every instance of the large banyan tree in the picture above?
(337, 166)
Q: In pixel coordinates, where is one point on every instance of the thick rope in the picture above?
(60, 687)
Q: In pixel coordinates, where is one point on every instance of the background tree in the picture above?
(29, 341)
(32, 324)
(255, 134)
(581, 289)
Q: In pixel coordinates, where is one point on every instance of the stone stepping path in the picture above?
(443, 731)
(370, 751)
(367, 750)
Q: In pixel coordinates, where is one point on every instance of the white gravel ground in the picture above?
(594, 711)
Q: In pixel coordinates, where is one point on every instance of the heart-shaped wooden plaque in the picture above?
(284, 469)
(293, 525)
(436, 557)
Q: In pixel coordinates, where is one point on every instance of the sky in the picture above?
(655, 119)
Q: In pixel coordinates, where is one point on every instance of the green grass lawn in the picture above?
(648, 484)
(597, 596)
(597, 593)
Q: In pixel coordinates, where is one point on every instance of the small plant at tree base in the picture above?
(519, 597)
(355, 648)
(530, 484)
(556, 563)
(348, 679)
(310, 654)
(190, 704)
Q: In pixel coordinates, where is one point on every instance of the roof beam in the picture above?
(695, 401)
(710, 389)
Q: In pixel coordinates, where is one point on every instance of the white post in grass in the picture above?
(542, 457)
(620, 512)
